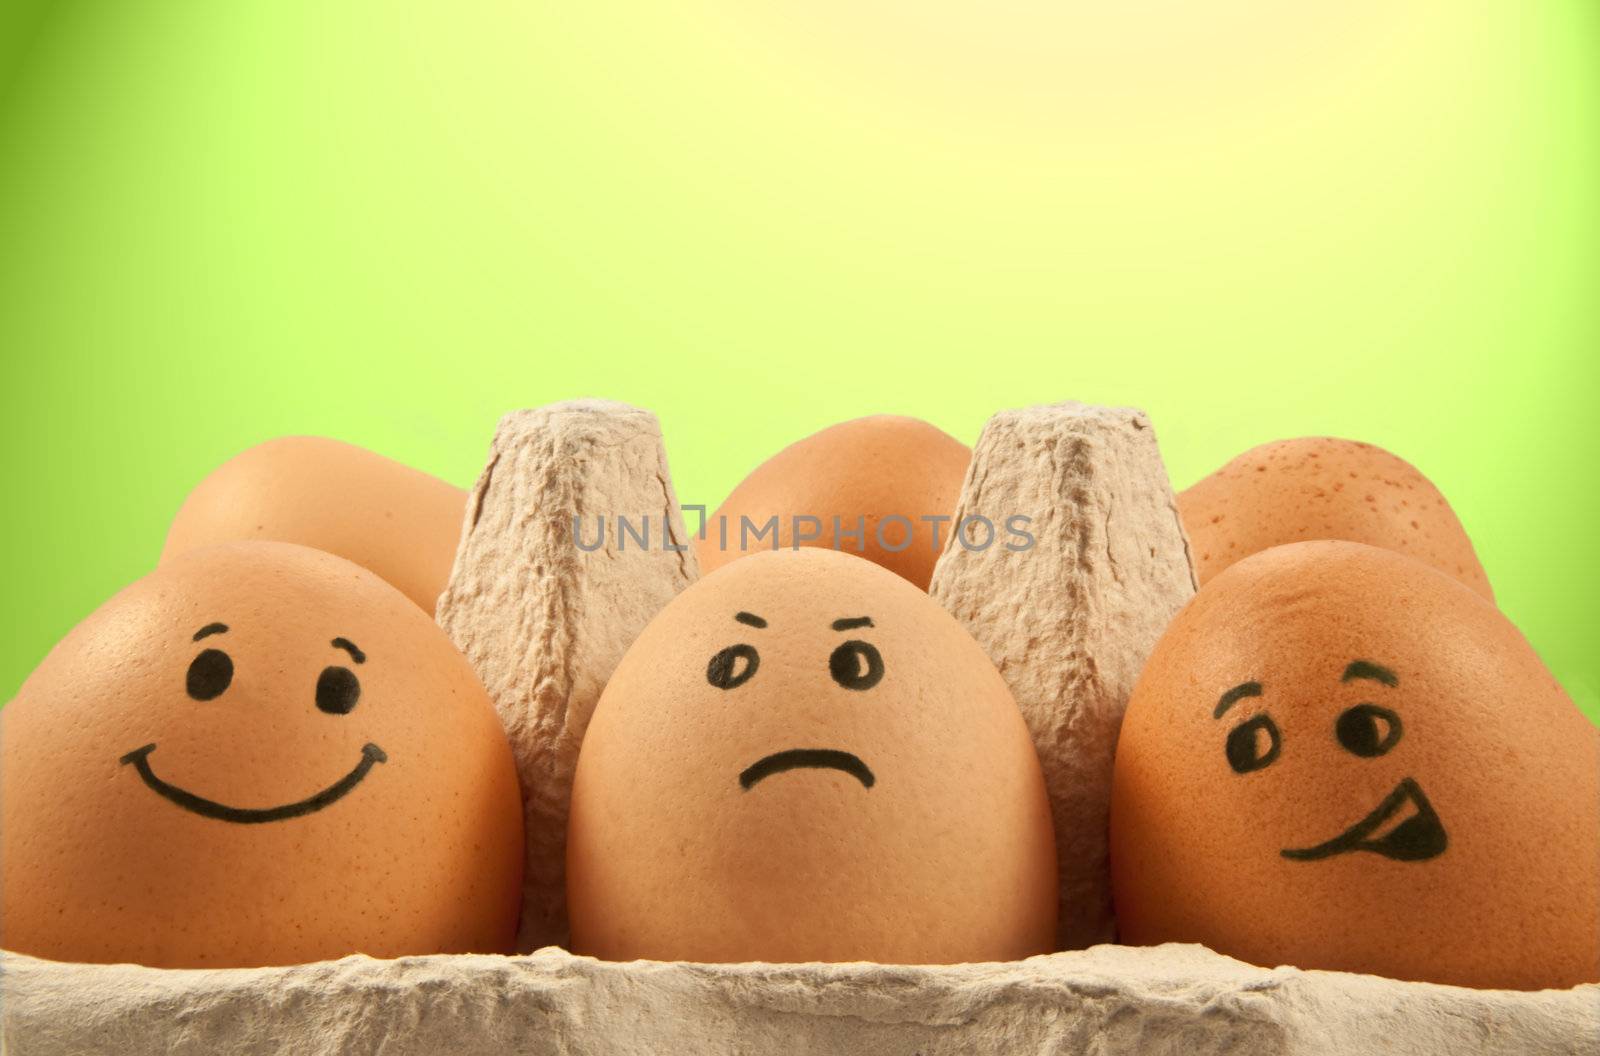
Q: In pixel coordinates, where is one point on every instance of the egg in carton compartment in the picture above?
(1068, 623)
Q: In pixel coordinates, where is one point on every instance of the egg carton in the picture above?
(1107, 1000)
(1068, 623)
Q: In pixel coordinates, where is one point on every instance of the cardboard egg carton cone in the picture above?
(545, 622)
(1070, 620)
(549, 589)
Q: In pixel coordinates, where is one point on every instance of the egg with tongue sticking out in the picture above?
(804, 758)
(1338, 757)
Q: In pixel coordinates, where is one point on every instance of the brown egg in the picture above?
(258, 754)
(803, 758)
(1338, 757)
(1318, 487)
(386, 517)
(883, 488)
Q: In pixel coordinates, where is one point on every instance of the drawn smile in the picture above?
(1417, 838)
(371, 754)
(807, 758)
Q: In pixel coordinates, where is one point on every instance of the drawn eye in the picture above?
(1253, 744)
(210, 674)
(725, 670)
(1367, 730)
(338, 689)
(856, 665)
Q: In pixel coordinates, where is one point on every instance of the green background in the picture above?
(389, 222)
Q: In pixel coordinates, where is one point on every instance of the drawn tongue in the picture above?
(1396, 821)
(1416, 837)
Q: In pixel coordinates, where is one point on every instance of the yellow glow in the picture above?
(1100, 65)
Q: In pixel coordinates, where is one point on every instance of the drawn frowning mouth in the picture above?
(807, 758)
(371, 755)
(1416, 838)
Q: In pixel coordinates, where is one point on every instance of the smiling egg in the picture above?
(1341, 758)
(259, 754)
(804, 758)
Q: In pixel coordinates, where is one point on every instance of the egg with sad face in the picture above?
(804, 758)
(1338, 757)
(259, 754)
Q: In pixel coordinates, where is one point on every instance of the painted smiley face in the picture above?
(209, 675)
(1366, 730)
(1337, 757)
(288, 736)
(854, 664)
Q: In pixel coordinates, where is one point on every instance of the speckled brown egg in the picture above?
(803, 758)
(883, 488)
(258, 754)
(1320, 487)
(1338, 757)
(386, 517)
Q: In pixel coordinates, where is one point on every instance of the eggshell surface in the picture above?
(1340, 758)
(1324, 488)
(386, 517)
(803, 758)
(259, 754)
(886, 478)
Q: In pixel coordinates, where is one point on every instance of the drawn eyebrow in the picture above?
(750, 619)
(350, 647)
(210, 628)
(1368, 669)
(1239, 692)
(852, 622)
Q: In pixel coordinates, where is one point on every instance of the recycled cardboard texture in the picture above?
(1070, 620)
(1108, 1000)
(543, 620)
